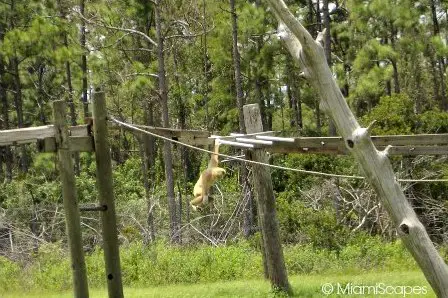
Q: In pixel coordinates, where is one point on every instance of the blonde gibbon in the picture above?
(208, 177)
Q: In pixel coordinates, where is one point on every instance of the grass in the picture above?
(303, 286)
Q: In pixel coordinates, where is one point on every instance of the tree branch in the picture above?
(133, 31)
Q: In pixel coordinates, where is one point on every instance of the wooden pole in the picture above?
(266, 206)
(375, 164)
(106, 196)
(69, 194)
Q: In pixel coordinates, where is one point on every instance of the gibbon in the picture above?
(206, 180)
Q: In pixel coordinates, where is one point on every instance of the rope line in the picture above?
(132, 127)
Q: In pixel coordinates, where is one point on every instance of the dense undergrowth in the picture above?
(163, 264)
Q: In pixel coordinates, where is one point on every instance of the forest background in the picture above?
(193, 65)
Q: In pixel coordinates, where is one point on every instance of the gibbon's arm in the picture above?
(207, 179)
(213, 163)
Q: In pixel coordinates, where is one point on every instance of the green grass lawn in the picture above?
(303, 286)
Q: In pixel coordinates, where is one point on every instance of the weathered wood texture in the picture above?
(70, 198)
(266, 205)
(424, 144)
(400, 144)
(375, 164)
(32, 134)
(106, 197)
(76, 144)
(26, 135)
(191, 137)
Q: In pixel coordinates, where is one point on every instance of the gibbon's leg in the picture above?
(196, 201)
(197, 193)
(207, 182)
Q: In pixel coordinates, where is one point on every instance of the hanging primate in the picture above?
(208, 177)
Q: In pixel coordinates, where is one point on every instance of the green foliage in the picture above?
(296, 182)
(433, 121)
(367, 252)
(303, 286)
(128, 183)
(9, 275)
(51, 269)
(393, 114)
(162, 264)
(300, 224)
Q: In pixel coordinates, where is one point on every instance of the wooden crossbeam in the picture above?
(424, 144)
(394, 150)
(19, 136)
(26, 135)
(191, 137)
(80, 140)
(76, 144)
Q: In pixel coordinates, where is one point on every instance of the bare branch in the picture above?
(133, 31)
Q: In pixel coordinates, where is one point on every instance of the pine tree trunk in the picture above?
(440, 68)
(260, 99)
(84, 88)
(443, 99)
(40, 92)
(258, 85)
(394, 62)
(248, 213)
(151, 236)
(237, 68)
(149, 158)
(181, 112)
(6, 154)
(206, 66)
(14, 63)
(167, 154)
(269, 109)
(68, 74)
(327, 50)
(293, 92)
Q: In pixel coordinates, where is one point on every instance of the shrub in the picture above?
(163, 264)
(9, 275)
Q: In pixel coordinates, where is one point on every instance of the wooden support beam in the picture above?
(12, 137)
(47, 145)
(92, 208)
(80, 130)
(106, 196)
(341, 150)
(273, 252)
(76, 144)
(81, 144)
(411, 140)
(26, 135)
(191, 137)
(416, 150)
(235, 135)
(69, 195)
(398, 140)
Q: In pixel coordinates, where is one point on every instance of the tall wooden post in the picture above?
(266, 206)
(106, 196)
(374, 163)
(70, 197)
